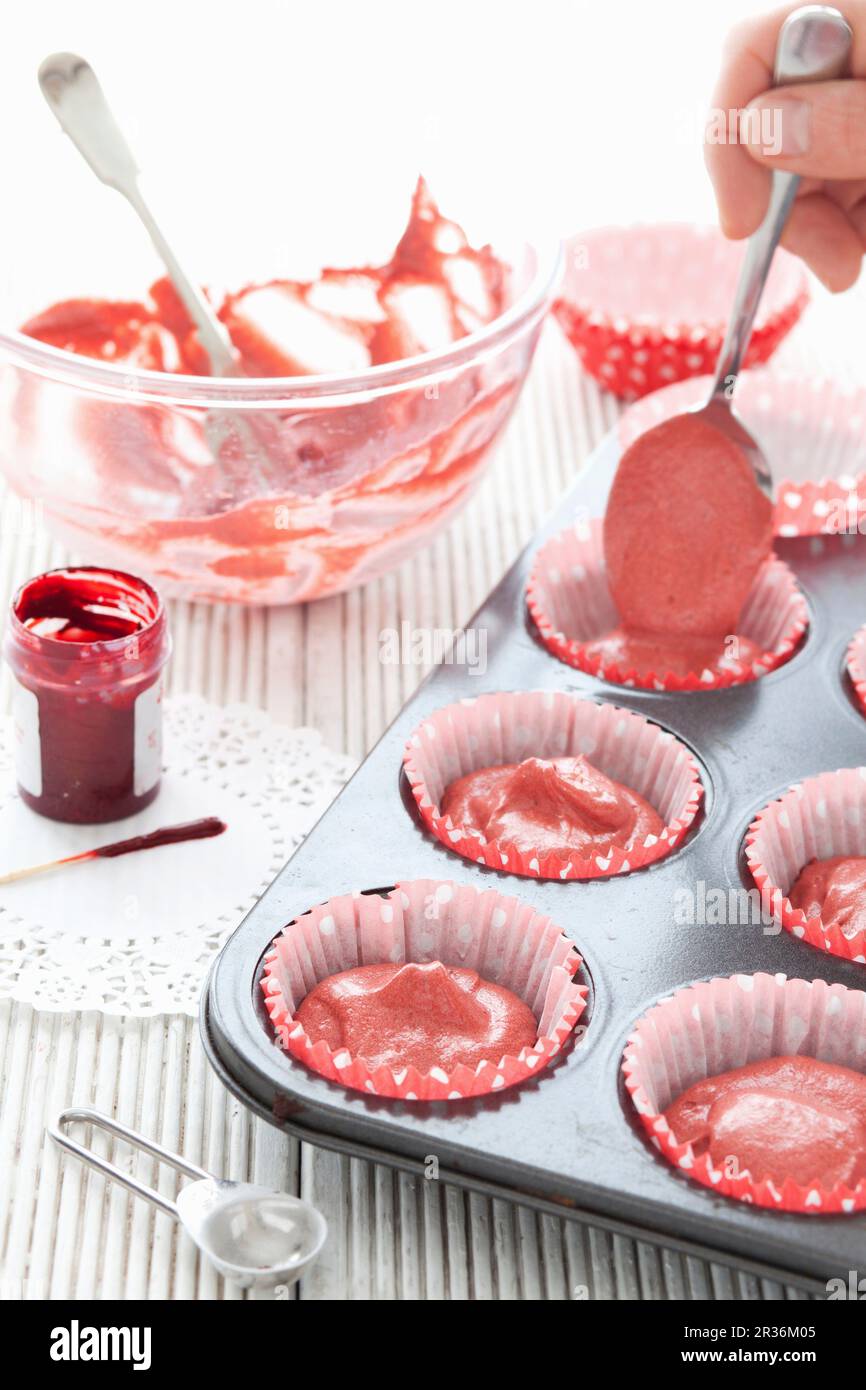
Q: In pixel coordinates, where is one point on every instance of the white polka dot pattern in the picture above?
(718, 1025)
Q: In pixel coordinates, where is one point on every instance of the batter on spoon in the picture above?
(685, 532)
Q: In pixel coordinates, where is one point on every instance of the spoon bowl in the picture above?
(253, 1235)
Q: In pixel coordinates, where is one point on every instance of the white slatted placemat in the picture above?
(65, 1233)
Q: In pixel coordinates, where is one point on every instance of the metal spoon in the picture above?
(255, 1237)
(72, 90)
(814, 45)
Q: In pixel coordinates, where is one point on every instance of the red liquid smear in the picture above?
(85, 610)
(89, 645)
(203, 829)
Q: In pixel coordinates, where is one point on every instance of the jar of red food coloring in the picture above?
(86, 648)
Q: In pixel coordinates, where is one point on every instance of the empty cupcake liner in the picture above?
(713, 1027)
(820, 818)
(644, 306)
(856, 663)
(504, 940)
(812, 431)
(571, 604)
(506, 728)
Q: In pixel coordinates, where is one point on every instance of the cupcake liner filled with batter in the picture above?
(780, 1111)
(569, 598)
(807, 854)
(442, 929)
(564, 765)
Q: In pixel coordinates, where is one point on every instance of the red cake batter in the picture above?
(422, 1016)
(562, 805)
(685, 533)
(434, 290)
(787, 1117)
(682, 656)
(835, 891)
(686, 530)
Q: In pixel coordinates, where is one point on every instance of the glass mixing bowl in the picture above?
(323, 482)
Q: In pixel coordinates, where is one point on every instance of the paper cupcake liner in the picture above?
(713, 1027)
(856, 663)
(812, 431)
(820, 818)
(571, 604)
(645, 306)
(504, 940)
(506, 728)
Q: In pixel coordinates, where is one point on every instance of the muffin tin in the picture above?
(568, 1140)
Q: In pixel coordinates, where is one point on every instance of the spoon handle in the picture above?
(814, 45)
(72, 90)
(84, 1115)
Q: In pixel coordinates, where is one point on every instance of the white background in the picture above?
(276, 131)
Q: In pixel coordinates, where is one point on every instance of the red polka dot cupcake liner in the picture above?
(504, 940)
(820, 818)
(498, 729)
(713, 1027)
(812, 432)
(644, 306)
(856, 663)
(570, 602)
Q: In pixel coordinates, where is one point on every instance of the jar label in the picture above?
(28, 748)
(148, 738)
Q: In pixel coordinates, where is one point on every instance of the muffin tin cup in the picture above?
(644, 306)
(507, 942)
(493, 730)
(855, 661)
(570, 602)
(713, 1027)
(811, 430)
(820, 818)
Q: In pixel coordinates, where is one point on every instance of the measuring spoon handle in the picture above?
(85, 1115)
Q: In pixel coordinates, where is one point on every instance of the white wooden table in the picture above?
(64, 1232)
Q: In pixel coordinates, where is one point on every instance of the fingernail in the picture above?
(777, 129)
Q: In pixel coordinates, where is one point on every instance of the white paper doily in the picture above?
(137, 934)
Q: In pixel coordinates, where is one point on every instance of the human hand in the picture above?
(817, 130)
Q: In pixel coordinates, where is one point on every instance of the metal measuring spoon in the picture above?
(255, 1237)
(814, 45)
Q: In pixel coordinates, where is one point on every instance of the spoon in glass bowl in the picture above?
(72, 90)
(814, 45)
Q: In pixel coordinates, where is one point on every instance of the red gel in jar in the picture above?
(86, 647)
